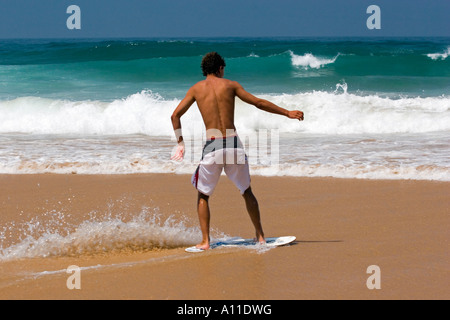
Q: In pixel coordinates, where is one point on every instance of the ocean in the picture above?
(374, 108)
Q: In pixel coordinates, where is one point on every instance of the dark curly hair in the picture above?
(211, 63)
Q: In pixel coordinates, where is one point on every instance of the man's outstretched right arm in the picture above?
(266, 105)
(181, 109)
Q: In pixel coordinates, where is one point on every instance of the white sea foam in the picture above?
(139, 113)
(308, 60)
(369, 171)
(147, 231)
(379, 156)
(329, 113)
(440, 55)
(147, 113)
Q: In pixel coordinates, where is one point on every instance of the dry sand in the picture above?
(342, 226)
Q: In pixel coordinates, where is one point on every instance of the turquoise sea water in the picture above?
(374, 108)
(113, 69)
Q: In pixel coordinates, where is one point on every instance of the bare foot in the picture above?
(260, 239)
(203, 246)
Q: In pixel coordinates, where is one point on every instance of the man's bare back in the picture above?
(215, 99)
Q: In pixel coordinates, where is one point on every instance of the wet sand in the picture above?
(342, 226)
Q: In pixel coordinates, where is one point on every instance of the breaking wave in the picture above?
(149, 114)
(147, 231)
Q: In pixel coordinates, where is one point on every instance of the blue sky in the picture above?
(222, 18)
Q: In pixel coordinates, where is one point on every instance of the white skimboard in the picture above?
(239, 242)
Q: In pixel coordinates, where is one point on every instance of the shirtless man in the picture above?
(215, 99)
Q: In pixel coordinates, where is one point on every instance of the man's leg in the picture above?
(253, 211)
(204, 218)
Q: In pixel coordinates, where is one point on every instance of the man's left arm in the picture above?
(265, 104)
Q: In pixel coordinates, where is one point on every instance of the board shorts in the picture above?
(222, 154)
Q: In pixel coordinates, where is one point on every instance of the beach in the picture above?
(342, 226)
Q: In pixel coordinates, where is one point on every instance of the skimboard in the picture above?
(239, 242)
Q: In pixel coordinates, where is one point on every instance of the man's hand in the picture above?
(295, 114)
(179, 152)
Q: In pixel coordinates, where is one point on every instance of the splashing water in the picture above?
(145, 232)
